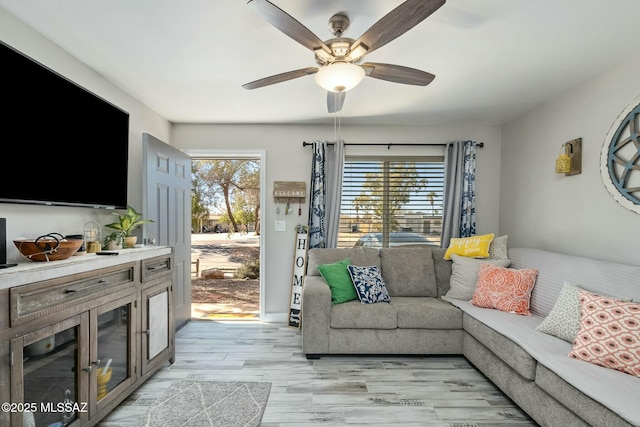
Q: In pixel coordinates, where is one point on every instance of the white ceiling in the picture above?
(187, 59)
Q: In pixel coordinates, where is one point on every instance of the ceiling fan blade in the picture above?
(288, 24)
(335, 101)
(397, 74)
(279, 78)
(396, 23)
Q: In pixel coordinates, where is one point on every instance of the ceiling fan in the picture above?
(339, 59)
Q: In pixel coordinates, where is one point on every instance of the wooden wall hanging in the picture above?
(299, 270)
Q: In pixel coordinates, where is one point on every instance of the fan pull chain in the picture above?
(336, 127)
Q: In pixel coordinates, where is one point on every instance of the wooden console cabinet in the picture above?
(78, 336)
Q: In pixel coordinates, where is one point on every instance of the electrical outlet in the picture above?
(281, 226)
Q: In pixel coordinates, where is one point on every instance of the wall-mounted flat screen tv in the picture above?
(62, 144)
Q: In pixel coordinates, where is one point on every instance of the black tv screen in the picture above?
(62, 144)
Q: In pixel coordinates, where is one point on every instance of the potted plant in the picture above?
(127, 223)
(113, 241)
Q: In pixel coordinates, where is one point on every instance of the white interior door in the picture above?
(167, 201)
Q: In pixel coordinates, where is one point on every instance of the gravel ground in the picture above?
(227, 253)
(225, 291)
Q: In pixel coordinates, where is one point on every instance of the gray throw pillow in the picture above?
(498, 248)
(563, 321)
(464, 275)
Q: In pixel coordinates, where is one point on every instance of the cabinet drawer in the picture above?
(153, 268)
(36, 300)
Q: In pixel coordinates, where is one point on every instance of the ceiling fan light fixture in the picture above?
(339, 76)
(323, 55)
(357, 52)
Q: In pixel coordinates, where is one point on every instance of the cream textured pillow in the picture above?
(498, 248)
(609, 334)
(563, 321)
(464, 275)
(473, 246)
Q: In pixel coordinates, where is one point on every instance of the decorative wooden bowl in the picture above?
(48, 248)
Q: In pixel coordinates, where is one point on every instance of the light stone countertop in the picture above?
(28, 271)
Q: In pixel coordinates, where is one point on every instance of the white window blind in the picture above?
(391, 201)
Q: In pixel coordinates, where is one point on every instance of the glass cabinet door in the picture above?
(53, 374)
(114, 351)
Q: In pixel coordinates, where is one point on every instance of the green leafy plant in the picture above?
(248, 270)
(128, 222)
(116, 236)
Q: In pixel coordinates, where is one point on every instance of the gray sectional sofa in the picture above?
(531, 367)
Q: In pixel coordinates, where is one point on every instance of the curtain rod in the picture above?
(391, 144)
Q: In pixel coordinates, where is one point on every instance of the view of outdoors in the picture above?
(388, 203)
(225, 246)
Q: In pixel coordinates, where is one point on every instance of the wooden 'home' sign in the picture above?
(299, 270)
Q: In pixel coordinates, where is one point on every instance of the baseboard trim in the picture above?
(274, 317)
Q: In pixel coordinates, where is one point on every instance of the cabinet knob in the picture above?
(96, 362)
(148, 332)
(88, 369)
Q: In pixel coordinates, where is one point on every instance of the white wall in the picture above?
(570, 214)
(288, 160)
(26, 221)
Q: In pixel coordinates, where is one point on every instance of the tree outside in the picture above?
(228, 187)
(386, 192)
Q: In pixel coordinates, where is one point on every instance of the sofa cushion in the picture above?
(464, 275)
(473, 246)
(409, 272)
(339, 280)
(609, 334)
(369, 284)
(505, 289)
(508, 335)
(593, 412)
(355, 315)
(358, 256)
(426, 313)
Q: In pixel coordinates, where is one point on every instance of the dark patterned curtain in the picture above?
(459, 216)
(327, 168)
(317, 197)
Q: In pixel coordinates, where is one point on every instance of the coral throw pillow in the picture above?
(609, 334)
(505, 289)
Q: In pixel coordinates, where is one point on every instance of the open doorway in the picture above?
(225, 239)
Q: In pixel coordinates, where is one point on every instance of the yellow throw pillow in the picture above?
(474, 246)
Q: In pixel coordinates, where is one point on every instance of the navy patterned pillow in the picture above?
(369, 284)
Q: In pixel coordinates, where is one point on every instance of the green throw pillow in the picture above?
(337, 277)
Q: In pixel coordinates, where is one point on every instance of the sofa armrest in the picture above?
(316, 315)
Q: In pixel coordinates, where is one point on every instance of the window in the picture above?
(391, 201)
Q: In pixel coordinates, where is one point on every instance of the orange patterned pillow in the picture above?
(609, 334)
(505, 289)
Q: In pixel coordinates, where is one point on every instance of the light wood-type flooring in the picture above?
(333, 390)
